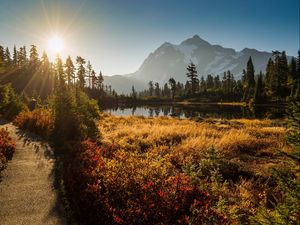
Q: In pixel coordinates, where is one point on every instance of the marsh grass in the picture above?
(231, 159)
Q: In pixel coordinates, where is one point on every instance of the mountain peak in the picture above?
(195, 40)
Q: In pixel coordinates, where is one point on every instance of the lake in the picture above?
(199, 110)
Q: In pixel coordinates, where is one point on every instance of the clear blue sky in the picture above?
(117, 35)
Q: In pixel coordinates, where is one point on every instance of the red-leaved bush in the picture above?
(130, 188)
(7, 147)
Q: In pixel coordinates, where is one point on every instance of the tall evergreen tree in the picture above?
(250, 74)
(193, 77)
(172, 84)
(151, 88)
(157, 89)
(80, 72)
(89, 72)
(2, 61)
(249, 81)
(269, 78)
(7, 57)
(292, 79)
(33, 57)
(70, 71)
(258, 94)
(202, 85)
(15, 56)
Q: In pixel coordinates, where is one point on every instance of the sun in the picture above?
(56, 44)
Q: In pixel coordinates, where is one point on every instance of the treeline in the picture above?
(280, 82)
(32, 75)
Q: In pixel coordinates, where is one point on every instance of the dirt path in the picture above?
(27, 190)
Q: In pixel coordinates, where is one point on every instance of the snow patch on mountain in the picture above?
(187, 51)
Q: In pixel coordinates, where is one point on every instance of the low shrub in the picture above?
(130, 188)
(7, 148)
(39, 121)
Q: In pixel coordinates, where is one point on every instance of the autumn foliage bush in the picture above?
(129, 188)
(7, 148)
(39, 121)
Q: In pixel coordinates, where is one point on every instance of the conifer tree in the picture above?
(7, 57)
(80, 72)
(193, 77)
(70, 71)
(100, 80)
(45, 63)
(33, 57)
(133, 92)
(250, 73)
(94, 78)
(269, 78)
(15, 56)
(89, 72)
(292, 78)
(157, 89)
(2, 61)
(151, 88)
(249, 81)
(202, 85)
(172, 84)
(297, 80)
(258, 94)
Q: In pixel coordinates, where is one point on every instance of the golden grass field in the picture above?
(240, 151)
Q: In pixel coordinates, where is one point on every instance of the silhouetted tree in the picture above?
(172, 84)
(80, 71)
(193, 77)
(70, 71)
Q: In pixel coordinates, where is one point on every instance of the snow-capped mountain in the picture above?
(170, 60)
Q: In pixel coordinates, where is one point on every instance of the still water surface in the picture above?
(203, 111)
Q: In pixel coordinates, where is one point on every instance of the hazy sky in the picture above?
(117, 35)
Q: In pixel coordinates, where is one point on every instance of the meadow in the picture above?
(177, 171)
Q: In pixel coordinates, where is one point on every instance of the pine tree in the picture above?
(217, 83)
(193, 77)
(157, 89)
(80, 72)
(258, 94)
(297, 80)
(15, 56)
(269, 78)
(70, 70)
(249, 81)
(202, 85)
(133, 93)
(94, 78)
(100, 80)
(172, 84)
(34, 57)
(2, 61)
(45, 67)
(151, 88)
(89, 71)
(250, 74)
(292, 78)
(7, 58)
(166, 90)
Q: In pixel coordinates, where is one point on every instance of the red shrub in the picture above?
(132, 189)
(7, 147)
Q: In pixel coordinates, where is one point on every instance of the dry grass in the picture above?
(236, 138)
(244, 151)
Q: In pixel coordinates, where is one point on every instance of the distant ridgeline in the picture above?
(33, 76)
